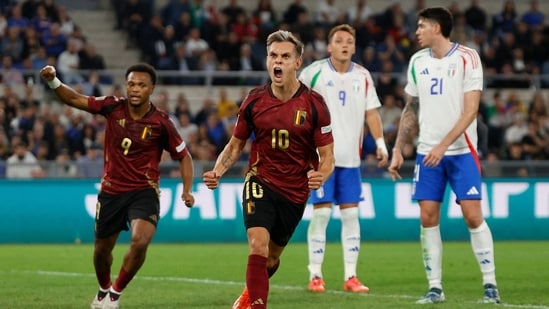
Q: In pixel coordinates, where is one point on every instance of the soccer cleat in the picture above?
(243, 301)
(112, 302)
(355, 286)
(316, 285)
(491, 294)
(434, 296)
(99, 299)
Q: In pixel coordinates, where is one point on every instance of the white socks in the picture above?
(350, 240)
(316, 240)
(483, 248)
(431, 243)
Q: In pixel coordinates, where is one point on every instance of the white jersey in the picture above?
(440, 85)
(348, 96)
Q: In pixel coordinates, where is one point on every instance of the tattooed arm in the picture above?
(407, 129)
(408, 125)
(226, 159)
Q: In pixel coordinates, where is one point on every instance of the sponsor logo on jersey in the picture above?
(424, 72)
(121, 122)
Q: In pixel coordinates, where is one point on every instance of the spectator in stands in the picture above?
(66, 24)
(504, 21)
(90, 165)
(51, 10)
(186, 127)
(12, 44)
(389, 112)
(370, 60)
(54, 41)
(182, 63)
(265, 18)
(22, 164)
(232, 10)
(68, 63)
(357, 14)
(164, 47)
(10, 74)
(64, 166)
(136, 18)
(303, 28)
(386, 81)
(534, 17)
(328, 14)
(28, 8)
(16, 18)
(90, 60)
(195, 45)
(41, 21)
(173, 9)
(153, 31)
(208, 107)
(292, 11)
(183, 26)
(245, 30)
(476, 16)
(517, 130)
(225, 106)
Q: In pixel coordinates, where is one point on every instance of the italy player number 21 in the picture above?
(436, 86)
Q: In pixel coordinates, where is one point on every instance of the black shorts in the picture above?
(263, 207)
(114, 211)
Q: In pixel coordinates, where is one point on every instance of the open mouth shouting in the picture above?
(277, 74)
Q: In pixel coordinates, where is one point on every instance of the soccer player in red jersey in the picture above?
(289, 122)
(136, 135)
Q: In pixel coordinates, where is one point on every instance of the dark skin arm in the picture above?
(63, 92)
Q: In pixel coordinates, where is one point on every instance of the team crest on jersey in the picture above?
(121, 122)
(147, 131)
(300, 117)
(355, 86)
(452, 70)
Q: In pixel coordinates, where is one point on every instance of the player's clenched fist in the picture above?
(48, 73)
(211, 180)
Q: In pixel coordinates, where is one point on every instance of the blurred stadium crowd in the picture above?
(183, 36)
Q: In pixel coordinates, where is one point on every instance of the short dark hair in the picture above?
(441, 16)
(144, 68)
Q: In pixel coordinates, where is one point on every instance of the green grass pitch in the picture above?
(212, 275)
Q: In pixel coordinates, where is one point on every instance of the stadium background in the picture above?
(517, 186)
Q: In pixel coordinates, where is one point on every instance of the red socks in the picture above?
(122, 280)
(257, 281)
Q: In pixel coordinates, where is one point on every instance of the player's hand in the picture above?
(316, 179)
(382, 157)
(48, 73)
(188, 198)
(433, 158)
(396, 163)
(211, 180)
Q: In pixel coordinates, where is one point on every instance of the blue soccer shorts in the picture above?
(344, 186)
(461, 172)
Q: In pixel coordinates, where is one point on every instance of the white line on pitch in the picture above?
(220, 282)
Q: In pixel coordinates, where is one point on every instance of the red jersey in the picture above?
(286, 137)
(133, 148)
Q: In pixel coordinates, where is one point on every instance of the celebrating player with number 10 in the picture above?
(289, 122)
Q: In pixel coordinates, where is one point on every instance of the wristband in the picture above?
(380, 143)
(54, 83)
